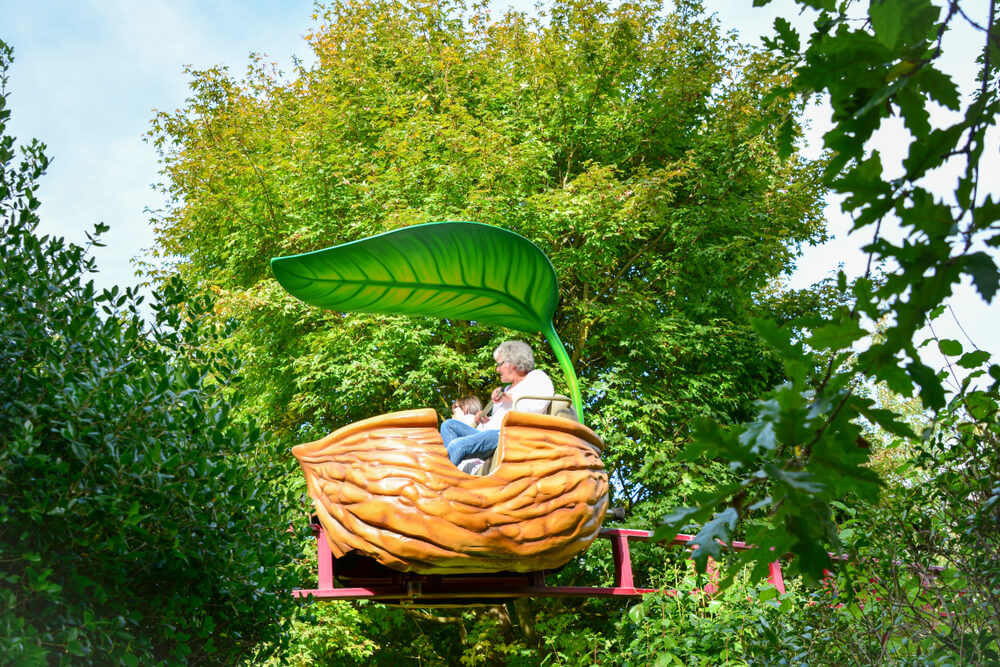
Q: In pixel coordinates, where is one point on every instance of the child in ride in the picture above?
(466, 409)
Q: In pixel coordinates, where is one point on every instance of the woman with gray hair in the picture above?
(516, 365)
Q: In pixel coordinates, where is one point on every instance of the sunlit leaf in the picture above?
(837, 335)
(980, 405)
(949, 347)
(973, 359)
(984, 274)
(887, 20)
(636, 613)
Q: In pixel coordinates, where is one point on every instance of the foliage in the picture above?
(689, 627)
(922, 586)
(631, 145)
(328, 634)
(755, 625)
(805, 448)
(927, 586)
(137, 522)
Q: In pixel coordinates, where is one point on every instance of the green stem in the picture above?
(549, 331)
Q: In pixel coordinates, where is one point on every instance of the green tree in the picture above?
(139, 523)
(633, 146)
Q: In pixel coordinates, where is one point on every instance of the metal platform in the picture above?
(406, 588)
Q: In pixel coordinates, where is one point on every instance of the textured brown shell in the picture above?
(384, 487)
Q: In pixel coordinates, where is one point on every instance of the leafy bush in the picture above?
(928, 555)
(330, 634)
(138, 523)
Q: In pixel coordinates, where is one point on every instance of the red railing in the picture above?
(416, 589)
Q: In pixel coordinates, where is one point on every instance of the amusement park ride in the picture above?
(395, 520)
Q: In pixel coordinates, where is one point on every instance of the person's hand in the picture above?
(497, 395)
(481, 418)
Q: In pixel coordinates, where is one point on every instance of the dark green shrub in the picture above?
(138, 523)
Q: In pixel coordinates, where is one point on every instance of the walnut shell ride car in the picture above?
(384, 488)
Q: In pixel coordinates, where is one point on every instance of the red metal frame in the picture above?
(465, 589)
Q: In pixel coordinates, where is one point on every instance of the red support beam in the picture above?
(409, 588)
(775, 577)
(623, 560)
(325, 558)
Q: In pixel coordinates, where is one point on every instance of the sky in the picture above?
(89, 75)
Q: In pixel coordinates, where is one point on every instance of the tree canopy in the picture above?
(634, 146)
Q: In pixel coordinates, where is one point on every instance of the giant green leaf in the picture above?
(455, 270)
